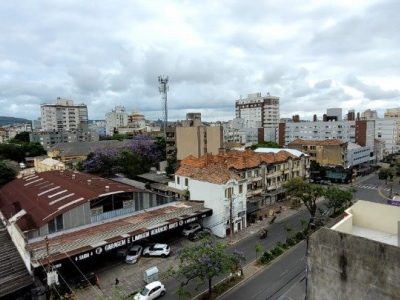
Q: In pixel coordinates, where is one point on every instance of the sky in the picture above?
(312, 54)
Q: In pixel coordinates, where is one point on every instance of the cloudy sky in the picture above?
(313, 55)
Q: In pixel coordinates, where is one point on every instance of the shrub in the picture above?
(299, 236)
(277, 251)
(266, 257)
(291, 241)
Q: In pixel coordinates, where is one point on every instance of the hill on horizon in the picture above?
(11, 120)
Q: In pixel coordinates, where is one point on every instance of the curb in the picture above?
(261, 268)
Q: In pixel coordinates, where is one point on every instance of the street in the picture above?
(276, 279)
(276, 233)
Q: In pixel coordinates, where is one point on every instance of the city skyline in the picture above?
(311, 55)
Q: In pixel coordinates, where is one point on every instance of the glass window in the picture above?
(178, 180)
(240, 188)
(186, 182)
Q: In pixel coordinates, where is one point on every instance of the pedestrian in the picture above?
(116, 281)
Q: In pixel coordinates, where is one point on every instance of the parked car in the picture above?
(153, 290)
(133, 254)
(162, 250)
(191, 228)
(199, 235)
(121, 252)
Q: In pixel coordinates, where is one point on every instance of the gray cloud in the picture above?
(213, 51)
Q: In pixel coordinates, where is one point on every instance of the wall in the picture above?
(187, 142)
(343, 266)
(214, 139)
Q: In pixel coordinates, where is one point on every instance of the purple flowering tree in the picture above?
(201, 263)
(103, 161)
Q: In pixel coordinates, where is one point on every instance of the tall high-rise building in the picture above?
(369, 115)
(258, 111)
(64, 116)
(118, 117)
(394, 113)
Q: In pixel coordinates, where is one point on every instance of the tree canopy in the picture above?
(136, 158)
(18, 151)
(265, 144)
(301, 191)
(338, 199)
(203, 262)
(6, 173)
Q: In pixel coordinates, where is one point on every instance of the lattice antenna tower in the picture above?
(163, 88)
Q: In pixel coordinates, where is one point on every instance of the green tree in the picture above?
(258, 249)
(385, 174)
(201, 263)
(132, 164)
(22, 137)
(338, 199)
(6, 173)
(299, 190)
(265, 144)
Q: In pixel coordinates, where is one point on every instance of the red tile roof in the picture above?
(46, 195)
(220, 168)
(331, 142)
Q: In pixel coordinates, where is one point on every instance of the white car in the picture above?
(162, 250)
(191, 229)
(151, 291)
(133, 254)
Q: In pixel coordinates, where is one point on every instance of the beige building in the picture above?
(359, 257)
(198, 140)
(324, 152)
(47, 164)
(394, 113)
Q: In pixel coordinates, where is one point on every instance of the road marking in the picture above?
(284, 273)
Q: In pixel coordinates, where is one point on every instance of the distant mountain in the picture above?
(12, 120)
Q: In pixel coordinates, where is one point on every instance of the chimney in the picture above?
(89, 181)
(73, 176)
(107, 188)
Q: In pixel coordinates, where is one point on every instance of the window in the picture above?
(240, 188)
(186, 182)
(178, 180)
(56, 224)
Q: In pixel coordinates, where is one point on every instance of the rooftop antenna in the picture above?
(163, 88)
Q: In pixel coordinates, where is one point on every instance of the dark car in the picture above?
(199, 235)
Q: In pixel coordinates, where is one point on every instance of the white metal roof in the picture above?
(276, 150)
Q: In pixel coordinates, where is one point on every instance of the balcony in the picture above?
(251, 193)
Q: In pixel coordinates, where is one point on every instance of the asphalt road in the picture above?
(276, 279)
(276, 233)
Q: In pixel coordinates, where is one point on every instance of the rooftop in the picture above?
(91, 237)
(374, 221)
(329, 142)
(48, 194)
(219, 168)
(294, 152)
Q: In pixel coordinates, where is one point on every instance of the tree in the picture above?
(301, 191)
(203, 262)
(338, 199)
(258, 249)
(22, 137)
(6, 173)
(265, 144)
(385, 173)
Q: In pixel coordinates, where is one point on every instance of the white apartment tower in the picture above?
(115, 119)
(63, 116)
(394, 114)
(258, 111)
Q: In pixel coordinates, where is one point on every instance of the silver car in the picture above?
(133, 254)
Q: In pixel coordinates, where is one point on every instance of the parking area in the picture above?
(130, 276)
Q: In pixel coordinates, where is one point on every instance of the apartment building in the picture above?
(394, 113)
(386, 130)
(325, 152)
(257, 179)
(358, 155)
(360, 132)
(118, 117)
(258, 111)
(51, 138)
(64, 115)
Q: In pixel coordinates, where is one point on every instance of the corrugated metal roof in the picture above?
(48, 194)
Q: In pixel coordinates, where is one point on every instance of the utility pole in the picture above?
(163, 89)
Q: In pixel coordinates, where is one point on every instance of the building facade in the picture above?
(51, 138)
(386, 130)
(324, 152)
(360, 132)
(258, 179)
(63, 116)
(118, 117)
(258, 111)
(394, 113)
